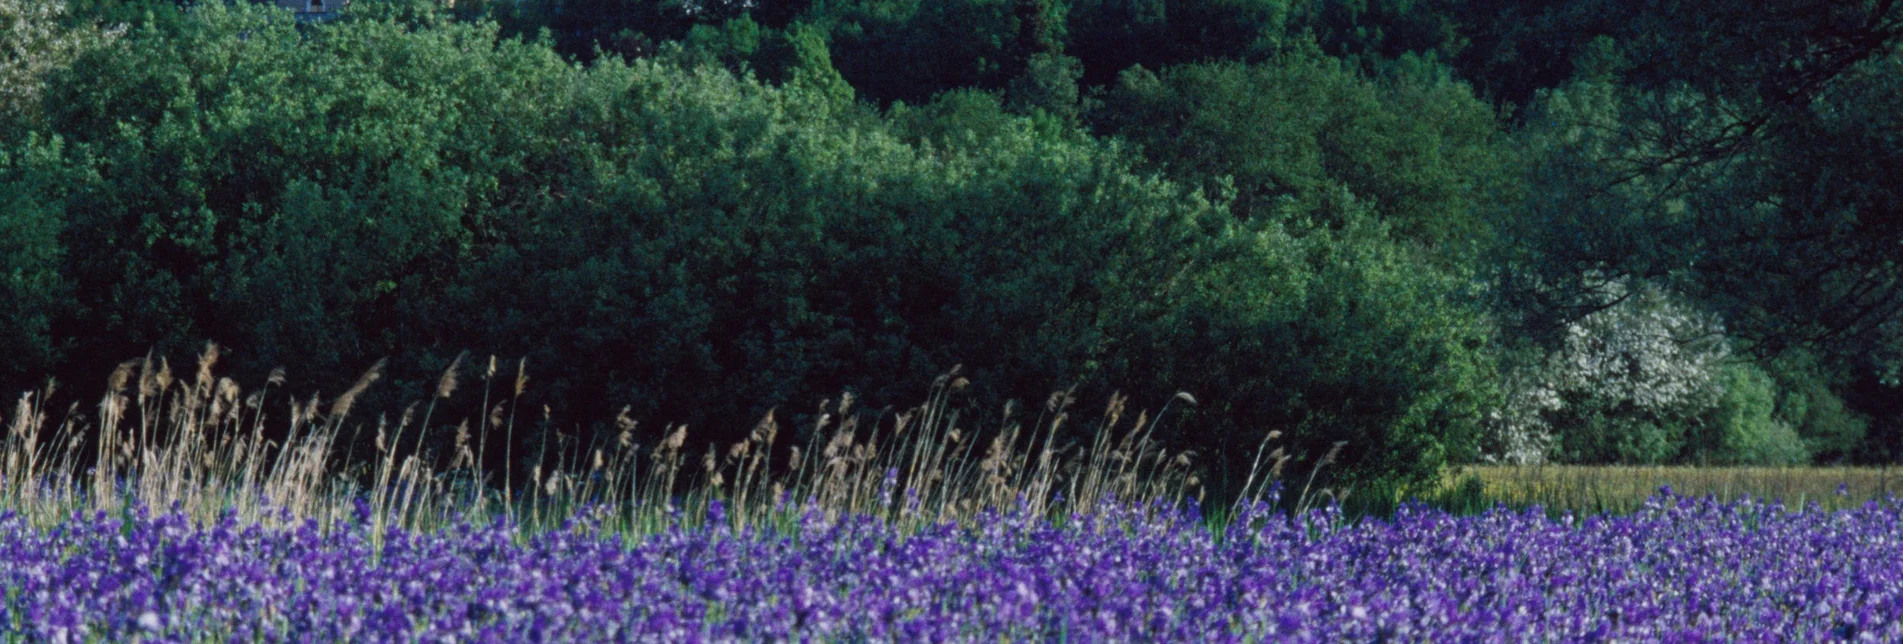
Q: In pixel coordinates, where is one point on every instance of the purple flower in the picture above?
(1680, 569)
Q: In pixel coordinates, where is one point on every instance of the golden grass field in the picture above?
(1602, 488)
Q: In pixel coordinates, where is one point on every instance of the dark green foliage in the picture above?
(1743, 429)
(736, 43)
(288, 191)
(1111, 36)
(1882, 400)
(909, 50)
(33, 291)
(1328, 337)
(1302, 137)
(1739, 154)
(1375, 31)
(1598, 438)
(699, 246)
(956, 119)
(1808, 400)
(1747, 165)
(584, 28)
(1049, 84)
(798, 254)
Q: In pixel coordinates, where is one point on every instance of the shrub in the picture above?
(33, 292)
(1329, 337)
(1301, 137)
(1628, 384)
(1808, 402)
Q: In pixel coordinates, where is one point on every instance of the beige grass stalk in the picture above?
(381, 492)
(445, 387)
(1301, 504)
(1249, 493)
(762, 435)
(111, 410)
(508, 445)
(25, 450)
(480, 500)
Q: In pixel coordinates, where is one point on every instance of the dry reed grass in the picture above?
(198, 446)
(919, 467)
(202, 446)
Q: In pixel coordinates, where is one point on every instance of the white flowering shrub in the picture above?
(1518, 431)
(32, 43)
(1630, 383)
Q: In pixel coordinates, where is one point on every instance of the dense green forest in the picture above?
(1435, 232)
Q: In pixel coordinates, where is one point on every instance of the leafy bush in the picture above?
(1743, 427)
(33, 292)
(1301, 137)
(1329, 337)
(909, 50)
(1807, 401)
(800, 251)
(287, 190)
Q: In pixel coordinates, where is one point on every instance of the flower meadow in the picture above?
(1679, 569)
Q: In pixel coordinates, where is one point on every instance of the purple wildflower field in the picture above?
(1680, 569)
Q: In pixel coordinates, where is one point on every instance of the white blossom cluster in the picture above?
(1643, 356)
(32, 42)
(1521, 433)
